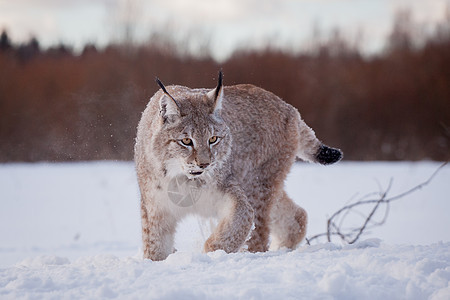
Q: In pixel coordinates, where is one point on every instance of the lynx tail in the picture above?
(312, 149)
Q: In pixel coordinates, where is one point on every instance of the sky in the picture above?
(223, 25)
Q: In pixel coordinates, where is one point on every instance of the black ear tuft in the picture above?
(216, 95)
(327, 155)
(219, 84)
(161, 85)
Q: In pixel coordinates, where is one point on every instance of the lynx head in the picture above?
(192, 138)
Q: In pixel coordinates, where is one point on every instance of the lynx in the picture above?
(223, 153)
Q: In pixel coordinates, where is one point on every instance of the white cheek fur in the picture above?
(174, 167)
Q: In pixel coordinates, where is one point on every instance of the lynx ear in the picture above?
(168, 106)
(216, 95)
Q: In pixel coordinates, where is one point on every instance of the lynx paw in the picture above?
(229, 246)
(210, 246)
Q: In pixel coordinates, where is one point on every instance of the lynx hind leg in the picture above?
(158, 231)
(288, 223)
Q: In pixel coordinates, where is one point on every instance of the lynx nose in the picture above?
(203, 165)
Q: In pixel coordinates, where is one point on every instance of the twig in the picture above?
(350, 237)
(369, 217)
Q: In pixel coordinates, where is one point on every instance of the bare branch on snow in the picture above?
(351, 235)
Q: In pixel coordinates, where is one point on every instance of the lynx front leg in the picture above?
(233, 229)
(288, 223)
(158, 229)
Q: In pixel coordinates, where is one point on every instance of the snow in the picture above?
(72, 230)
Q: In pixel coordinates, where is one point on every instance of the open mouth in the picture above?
(195, 173)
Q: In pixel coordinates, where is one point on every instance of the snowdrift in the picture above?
(73, 231)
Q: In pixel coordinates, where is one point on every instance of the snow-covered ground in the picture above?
(73, 231)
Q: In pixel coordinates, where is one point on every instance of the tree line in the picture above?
(57, 105)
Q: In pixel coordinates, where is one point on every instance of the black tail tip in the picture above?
(327, 155)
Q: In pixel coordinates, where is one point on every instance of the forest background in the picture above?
(57, 104)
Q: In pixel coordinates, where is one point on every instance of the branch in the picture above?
(350, 237)
(382, 199)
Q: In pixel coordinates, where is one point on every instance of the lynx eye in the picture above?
(186, 142)
(212, 140)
